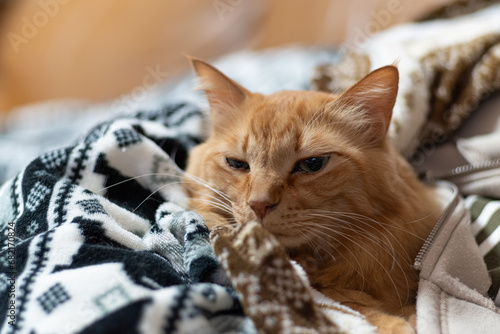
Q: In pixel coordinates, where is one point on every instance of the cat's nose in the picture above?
(262, 208)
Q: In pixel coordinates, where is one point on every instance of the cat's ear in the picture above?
(371, 101)
(223, 94)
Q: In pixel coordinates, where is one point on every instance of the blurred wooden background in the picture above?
(99, 49)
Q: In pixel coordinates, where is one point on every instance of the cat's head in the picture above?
(295, 160)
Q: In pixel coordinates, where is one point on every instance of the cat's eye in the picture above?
(311, 165)
(237, 164)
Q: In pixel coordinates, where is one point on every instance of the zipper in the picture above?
(435, 230)
(463, 170)
(452, 179)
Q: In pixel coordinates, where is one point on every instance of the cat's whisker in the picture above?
(360, 218)
(381, 224)
(336, 229)
(377, 236)
(313, 229)
(392, 226)
(225, 223)
(201, 182)
(415, 221)
(217, 205)
(214, 201)
(389, 223)
(150, 195)
(369, 253)
(192, 178)
(350, 224)
(320, 234)
(213, 204)
(391, 250)
(309, 240)
(222, 201)
(136, 178)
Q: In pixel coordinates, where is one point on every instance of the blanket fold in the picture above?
(275, 291)
(447, 67)
(273, 294)
(95, 237)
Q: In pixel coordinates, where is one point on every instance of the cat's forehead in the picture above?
(301, 100)
(287, 108)
(282, 124)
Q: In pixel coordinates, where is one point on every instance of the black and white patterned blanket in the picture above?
(95, 238)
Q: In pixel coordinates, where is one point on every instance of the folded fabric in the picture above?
(454, 282)
(447, 67)
(480, 148)
(95, 239)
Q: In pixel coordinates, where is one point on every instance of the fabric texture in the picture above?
(447, 67)
(453, 287)
(485, 227)
(95, 238)
(275, 291)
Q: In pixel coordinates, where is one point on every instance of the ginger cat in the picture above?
(319, 172)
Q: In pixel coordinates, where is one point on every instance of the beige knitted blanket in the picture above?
(274, 291)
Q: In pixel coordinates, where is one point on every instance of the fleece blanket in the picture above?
(95, 239)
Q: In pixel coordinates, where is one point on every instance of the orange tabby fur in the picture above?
(355, 225)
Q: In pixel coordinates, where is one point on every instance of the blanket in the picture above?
(95, 239)
(447, 67)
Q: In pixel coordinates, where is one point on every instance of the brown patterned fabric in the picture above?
(459, 84)
(457, 8)
(276, 297)
(443, 83)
